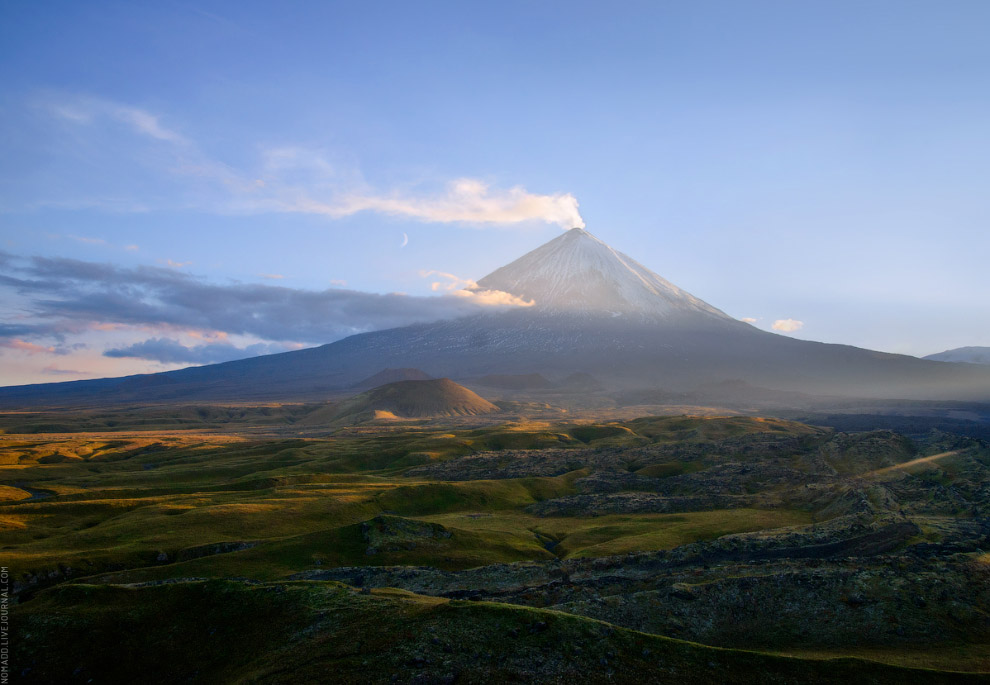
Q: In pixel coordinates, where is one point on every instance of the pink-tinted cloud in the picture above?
(28, 347)
(787, 325)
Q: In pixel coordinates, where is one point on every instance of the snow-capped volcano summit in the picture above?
(578, 273)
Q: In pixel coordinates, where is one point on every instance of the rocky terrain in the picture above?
(583, 551)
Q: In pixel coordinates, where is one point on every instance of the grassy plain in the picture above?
(90, 501)
(132, 499)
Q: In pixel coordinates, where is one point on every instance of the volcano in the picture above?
(593, 311)
(414, 399)
(577, 273)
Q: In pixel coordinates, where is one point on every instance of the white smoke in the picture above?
(466, 200)
(298, 180)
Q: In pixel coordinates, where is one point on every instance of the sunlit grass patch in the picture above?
(12, 494)
(618, 534)
(674, 530)
(13, 521)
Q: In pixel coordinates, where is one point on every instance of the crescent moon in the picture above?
(405, 240)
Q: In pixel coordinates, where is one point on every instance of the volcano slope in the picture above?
(240, 546)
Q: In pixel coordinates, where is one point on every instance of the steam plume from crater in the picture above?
(468, 201)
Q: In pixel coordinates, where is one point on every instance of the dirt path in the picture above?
(914, 462)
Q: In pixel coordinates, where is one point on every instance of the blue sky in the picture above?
(191, 182)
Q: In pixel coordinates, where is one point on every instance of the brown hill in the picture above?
(393, 376)
(414, 400)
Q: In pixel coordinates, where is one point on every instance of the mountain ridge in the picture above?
(967, 355)
(634, 331)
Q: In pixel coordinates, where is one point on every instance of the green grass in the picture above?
(127, 498)
(131, 500)
(132, 507)
(578, 537)
(697, 428)
(672, 468)
(958, 657)
(309, 632)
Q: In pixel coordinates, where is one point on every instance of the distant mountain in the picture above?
(595, 311)
(581, 382)
(392, 376)
(971, 355)
(414, 399)
(523, 381)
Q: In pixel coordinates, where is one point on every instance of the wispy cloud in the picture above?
(272, 277)
(56, 371)
(61, 296)
(28, 347)
(787, 325)
(88, 241)
(464, 201)
(171, 351)
(146, 123)
(89, 110)
(749, 319)
(295, 180)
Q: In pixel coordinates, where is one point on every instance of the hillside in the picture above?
(328, 628)
(414, 400)
(969, 355)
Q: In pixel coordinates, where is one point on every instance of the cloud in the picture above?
(55, 371)
(144, 122)
(749, 319)
(467, 289)
(493, 298)
(296, 180)
(28, 347)
(90, 110)
(131, 248)
(170, 351)
(272, 277)
(452, 282)
(88, 241)
(60, 296)
(787, 325)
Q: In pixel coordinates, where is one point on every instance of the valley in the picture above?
(498, 547)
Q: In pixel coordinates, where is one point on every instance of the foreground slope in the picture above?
(595, 311)
(301, 632)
